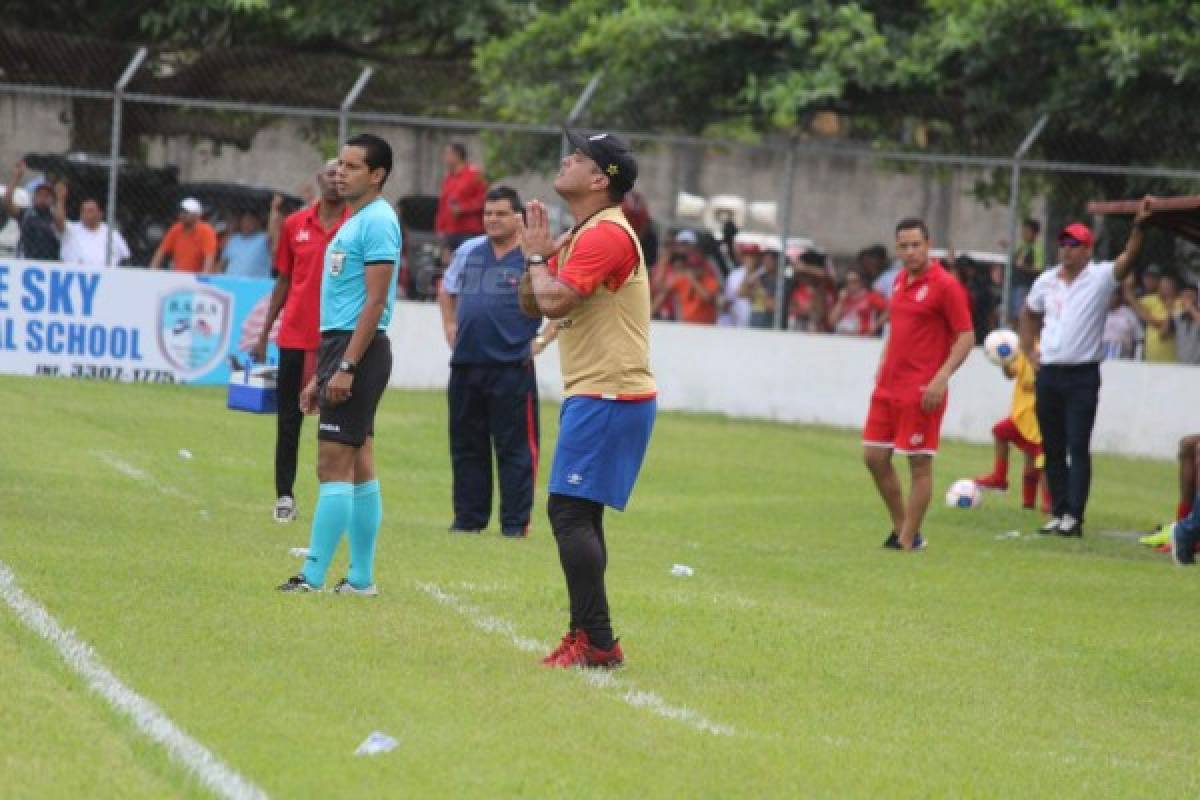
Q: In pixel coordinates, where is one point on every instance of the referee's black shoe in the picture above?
(458, 529)
(297, 583)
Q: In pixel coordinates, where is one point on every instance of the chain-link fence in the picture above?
(140, 130)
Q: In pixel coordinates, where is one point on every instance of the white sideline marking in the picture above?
(605, 680)
(199, 760)
(130, 471)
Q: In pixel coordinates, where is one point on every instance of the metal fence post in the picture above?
(114, 153)
(348, 102)
(1014, 193)
(786, 230)
(580, 106)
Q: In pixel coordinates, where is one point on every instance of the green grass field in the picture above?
(984, 667)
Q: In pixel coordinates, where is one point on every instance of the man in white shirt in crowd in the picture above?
(1121, 328)
(887, 279)
(85, 243)
(1066, 309)
(735, 310)
(10, 225)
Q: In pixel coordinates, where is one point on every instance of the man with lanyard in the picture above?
(593, 280)
(1067, 307)
(931, 335)
(302, 243)
(492, 395)
(358, 289)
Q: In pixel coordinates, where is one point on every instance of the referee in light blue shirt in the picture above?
(492, 396)
(358, 287)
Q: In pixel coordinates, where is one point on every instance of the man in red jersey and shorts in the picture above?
(930, 336)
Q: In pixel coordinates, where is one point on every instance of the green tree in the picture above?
(1118, 78)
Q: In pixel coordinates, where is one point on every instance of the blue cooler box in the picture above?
(253, 390)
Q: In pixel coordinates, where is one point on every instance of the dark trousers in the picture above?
(1067, 397)
(578, 525)
(288, 419)
(493, 407)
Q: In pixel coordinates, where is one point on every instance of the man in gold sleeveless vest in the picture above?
(593, 280)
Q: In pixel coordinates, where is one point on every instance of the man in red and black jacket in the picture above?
(299, 258)
(460, 205)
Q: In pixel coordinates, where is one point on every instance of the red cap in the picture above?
(1079, 232)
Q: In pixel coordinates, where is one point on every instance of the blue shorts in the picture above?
(601, 444)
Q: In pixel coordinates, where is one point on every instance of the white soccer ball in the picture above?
(964, 494)
(1000, 346)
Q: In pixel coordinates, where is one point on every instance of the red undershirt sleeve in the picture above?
(602, 254)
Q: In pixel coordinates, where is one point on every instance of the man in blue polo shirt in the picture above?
(492, 394)
(358, 287)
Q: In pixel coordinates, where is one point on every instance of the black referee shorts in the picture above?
(353, 421)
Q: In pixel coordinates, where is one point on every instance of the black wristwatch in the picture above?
(346, 367)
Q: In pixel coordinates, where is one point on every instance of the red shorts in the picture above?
(1006, 431)
(902, 426)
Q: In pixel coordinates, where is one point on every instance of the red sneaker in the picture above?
(991, 482)
(582, 653)
(567, 643)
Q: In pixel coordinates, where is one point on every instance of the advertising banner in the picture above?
(126, 324)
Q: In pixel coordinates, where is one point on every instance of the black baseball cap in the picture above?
(610, 153)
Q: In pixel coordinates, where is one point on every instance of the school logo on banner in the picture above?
(193, 328)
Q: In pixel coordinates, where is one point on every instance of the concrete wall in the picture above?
(282, 156)
(827, 380)
(31, 125)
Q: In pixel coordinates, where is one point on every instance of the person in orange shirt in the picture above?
(191, 243)
(693, 290)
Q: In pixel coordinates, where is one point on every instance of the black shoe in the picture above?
(1070, 527)
(297, 583)
(457, 529)
(893, 542)
(513, 533)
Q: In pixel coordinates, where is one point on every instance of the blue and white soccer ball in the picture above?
(1000, 346)
(964, 494)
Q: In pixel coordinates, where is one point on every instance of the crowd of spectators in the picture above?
(34, 224)
(696, 277)
(734, 281)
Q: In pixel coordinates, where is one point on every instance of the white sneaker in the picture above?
(1052, 525)
(285, 509)
(345, 587)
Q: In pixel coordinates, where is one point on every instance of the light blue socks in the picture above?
(364, 528)
(335, 508)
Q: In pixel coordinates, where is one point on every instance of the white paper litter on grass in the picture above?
(682, 571)
(298, 552)
(185, 454)
(377, 742)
